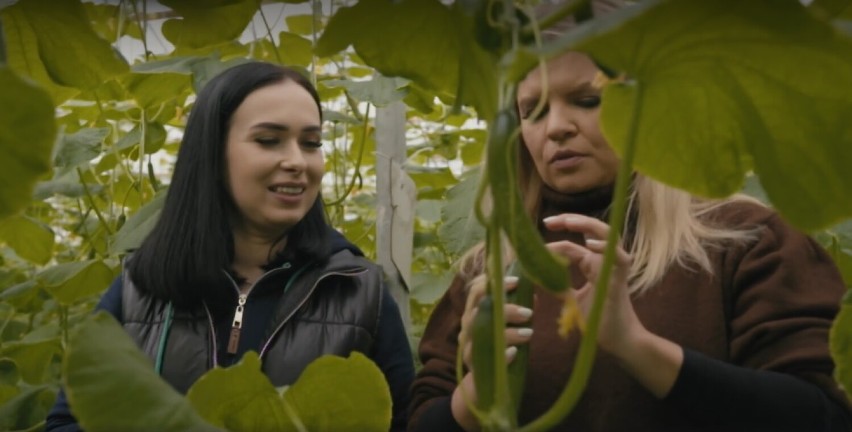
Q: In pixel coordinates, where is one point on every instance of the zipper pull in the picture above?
(237, 325)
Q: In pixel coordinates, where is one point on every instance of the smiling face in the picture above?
(565, 141)
(274, 158)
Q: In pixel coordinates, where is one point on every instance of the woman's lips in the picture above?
(567, 159)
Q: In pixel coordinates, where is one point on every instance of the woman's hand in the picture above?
(619, 323)
(514, 314)
(652, 360)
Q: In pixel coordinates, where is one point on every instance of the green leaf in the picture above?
(104, 367)
(151, 90)
(24, 290)
(208, 67)
(68, 188)
(300, 24)
(294, 49)
(73, 281)
(9, 374)
(177, 64)
(429, 211)
(337, 116)
(427, 288)
(459, 229)
(22, 53)
(206, 23)
(22, 411)
(840, 340)
(137, 227)
(106, 19)
(431, 180)
(421, 40)
(725, 82)
(27, 131)
(33, 358)
(71, 51)
(342, 394)
(155, 137)
(251, 402)
(30, 238)
(379, 91)
(80, 147)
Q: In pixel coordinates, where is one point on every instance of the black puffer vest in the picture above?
(330, 309)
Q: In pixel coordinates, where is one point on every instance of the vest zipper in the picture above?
(237, 325)
(302, 303)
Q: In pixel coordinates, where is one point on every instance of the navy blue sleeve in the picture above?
(392, 353)
(728, 397)
(60, 419)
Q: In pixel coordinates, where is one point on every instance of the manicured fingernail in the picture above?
(525, 332)
(511, 351)
(595, 243)
(525, 312)
(550, 219)
(510, 279)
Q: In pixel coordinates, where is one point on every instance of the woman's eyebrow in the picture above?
(273, 126)
(284, 128)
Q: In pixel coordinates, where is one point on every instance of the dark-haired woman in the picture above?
(242, 257)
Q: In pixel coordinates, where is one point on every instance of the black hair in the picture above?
(185, 258)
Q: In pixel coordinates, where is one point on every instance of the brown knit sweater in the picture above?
(769, 306)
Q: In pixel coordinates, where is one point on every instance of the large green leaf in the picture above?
(152, 90)
(379, 91)
(71, 51)
(80, 147)
(841, 344)
(108, 23)
(30, 238)
(73, 281)
(428, 287)
(726, 85)
(342, 394)
(22, 53)
(155, 137)
(33, 358)
(422, 40)
(137, 227)
(251, 402)
(27, 131)
(300, 24)
(206, 22)
(24, 410)
(294, 49)
(9, 374)
(103, 367)
(332, 394)
(459, 229)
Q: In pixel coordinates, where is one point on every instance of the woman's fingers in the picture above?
(599, 246)
(589, 226)
(518, 335)
(517, 314)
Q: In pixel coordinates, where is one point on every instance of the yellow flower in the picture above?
(570, 317)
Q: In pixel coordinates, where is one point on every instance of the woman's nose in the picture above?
(560, 123)
(292, 158)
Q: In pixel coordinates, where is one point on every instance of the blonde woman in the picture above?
(718, 312)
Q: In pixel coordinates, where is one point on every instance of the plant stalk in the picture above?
(588, 345)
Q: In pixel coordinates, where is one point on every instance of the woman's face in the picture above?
(274, 158)
(567, 147)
